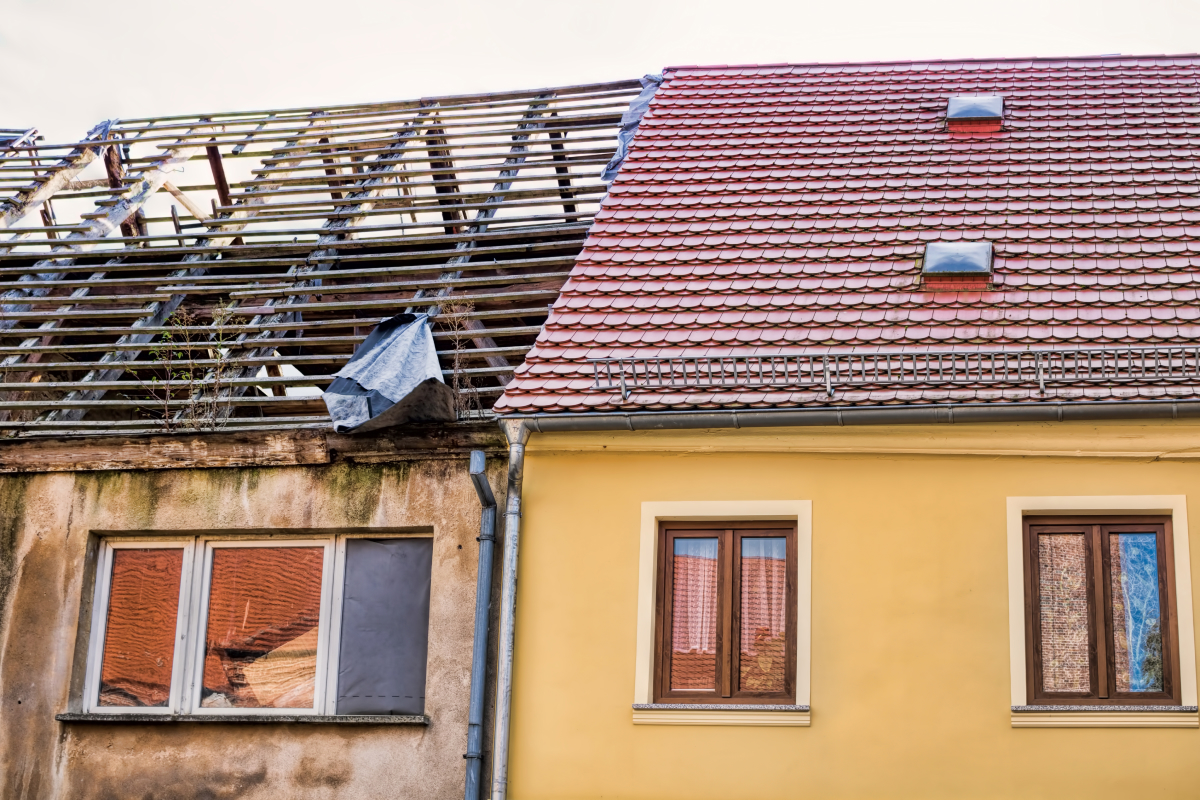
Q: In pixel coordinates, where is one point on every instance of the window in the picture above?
(211, 625)
(726, 613)
(1099, 605)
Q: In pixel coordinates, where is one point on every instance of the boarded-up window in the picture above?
(385, 625)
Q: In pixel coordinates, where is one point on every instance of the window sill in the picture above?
(253, 719)
(703, 714)
(1105, 717)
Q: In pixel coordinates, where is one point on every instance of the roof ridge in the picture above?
(900, 62)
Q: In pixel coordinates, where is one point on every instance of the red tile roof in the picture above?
(783, 209)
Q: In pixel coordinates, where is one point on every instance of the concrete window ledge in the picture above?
(1105, 717)
(242, 719)
(717, 714)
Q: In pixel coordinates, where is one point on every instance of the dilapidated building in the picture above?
(206, 591)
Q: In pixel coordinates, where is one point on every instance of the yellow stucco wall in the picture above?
(910, 623)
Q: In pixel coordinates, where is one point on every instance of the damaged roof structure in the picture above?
(215, 270)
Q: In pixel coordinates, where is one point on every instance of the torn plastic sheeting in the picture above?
(629, 125)
(393, 378)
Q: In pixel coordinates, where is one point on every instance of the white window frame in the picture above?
(187, 668)
(104, 565)
(198, 623)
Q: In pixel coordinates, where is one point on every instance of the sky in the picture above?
(67, 65)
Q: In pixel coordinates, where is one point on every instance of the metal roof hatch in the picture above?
(957, 265)
(975, 112)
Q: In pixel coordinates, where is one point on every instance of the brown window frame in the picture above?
(1102, 690)
(728, 534)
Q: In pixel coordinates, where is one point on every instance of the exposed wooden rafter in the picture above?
(324, 222)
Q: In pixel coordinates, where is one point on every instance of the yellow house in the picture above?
(855, 459)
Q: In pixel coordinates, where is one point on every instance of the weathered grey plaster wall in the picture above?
(44, 526)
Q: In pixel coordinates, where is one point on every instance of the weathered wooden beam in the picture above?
(185, 201)
(218, 173)
(115, 171)
(250, 448)
(129, 201)
(61, 174)
(564, 183)
(178, 451)
(444, 180)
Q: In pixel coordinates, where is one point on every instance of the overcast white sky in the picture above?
(67, 64)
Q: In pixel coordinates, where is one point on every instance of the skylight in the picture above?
(975, 112)
(957, 266)
(958, 258)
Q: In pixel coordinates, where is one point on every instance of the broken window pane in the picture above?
(763, 615)
(1136, 612)
(139, 633)
(1062, 568)
(694, 615)
(260, 647)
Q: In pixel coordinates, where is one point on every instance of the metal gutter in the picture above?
(517, 434)
(1061, 411)
(483, 597)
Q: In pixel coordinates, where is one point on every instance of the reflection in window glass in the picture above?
(694, 615)
(139, 633)
(763, 615)
(1062, 567)
(261, 639)
(1137, 634)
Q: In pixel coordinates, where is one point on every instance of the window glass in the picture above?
(1099, 610)
(694, 608)
(1063, 602)
(1136, 612)
(139, 631)
(763, 656)
(261, 640)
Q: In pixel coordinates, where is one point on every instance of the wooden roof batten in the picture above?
(137, 305)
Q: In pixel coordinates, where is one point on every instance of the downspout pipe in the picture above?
(483, 605)
(517, 434)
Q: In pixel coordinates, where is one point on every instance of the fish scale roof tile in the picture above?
(784, 207)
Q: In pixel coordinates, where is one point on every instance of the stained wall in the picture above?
(45, 521)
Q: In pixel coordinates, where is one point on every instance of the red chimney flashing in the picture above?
(956, 283)
(973, 125)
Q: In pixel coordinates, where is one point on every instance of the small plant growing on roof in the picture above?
(453, 316)
(189, 385)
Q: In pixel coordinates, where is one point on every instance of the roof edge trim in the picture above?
(999, 60)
